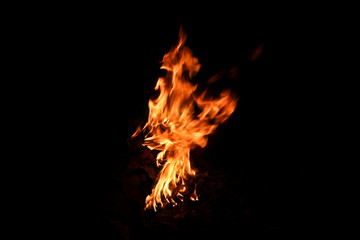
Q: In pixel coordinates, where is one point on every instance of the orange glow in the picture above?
(173, 128)
(257, 52)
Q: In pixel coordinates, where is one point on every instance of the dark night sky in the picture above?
(103, 74)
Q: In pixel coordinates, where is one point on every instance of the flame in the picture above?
(174, 127)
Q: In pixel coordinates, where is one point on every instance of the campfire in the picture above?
(180, 119)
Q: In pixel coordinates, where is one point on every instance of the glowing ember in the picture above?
(174, 128)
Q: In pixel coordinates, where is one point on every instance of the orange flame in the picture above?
(174, 128)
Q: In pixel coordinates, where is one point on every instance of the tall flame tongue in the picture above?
(174, 129)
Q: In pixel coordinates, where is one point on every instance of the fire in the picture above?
(180, 120)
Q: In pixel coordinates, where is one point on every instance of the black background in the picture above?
(102, 71)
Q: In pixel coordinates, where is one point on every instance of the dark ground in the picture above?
(250, 176)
